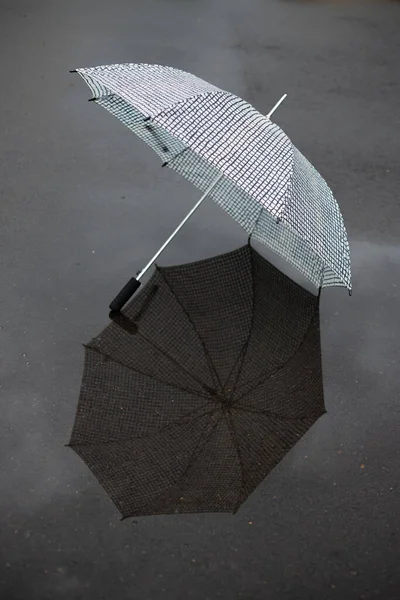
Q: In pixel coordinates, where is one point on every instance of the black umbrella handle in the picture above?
(123, 296)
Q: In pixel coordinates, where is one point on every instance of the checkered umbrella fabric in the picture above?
(266, 184)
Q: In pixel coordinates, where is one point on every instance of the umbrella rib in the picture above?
(232, 430)
(138, 317)
(211, 367)
(234, 367)
(154, 377)
(245, 348)
(183, 417)
(103, 97)
(273, 415)
(198, 449)
(169, 357)
(130, 438)
(263, 378)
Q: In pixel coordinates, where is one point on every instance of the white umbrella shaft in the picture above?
(181, 224)
(277, 105)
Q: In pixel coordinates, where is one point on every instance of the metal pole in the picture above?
(277, 105)
(181, 224)
(195, 207)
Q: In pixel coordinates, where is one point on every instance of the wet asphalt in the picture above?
(83, 204)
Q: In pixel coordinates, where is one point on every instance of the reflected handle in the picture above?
(124, 295)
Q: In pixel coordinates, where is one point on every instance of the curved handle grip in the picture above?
(123, 296)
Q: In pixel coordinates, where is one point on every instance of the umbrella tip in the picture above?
(73, 71)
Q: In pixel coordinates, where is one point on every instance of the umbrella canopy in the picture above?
(201, 386)
(266, 184)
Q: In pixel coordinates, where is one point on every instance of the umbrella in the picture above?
(235, 155)
(196, 391)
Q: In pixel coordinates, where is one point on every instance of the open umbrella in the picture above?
(201, 386)
(235, 155)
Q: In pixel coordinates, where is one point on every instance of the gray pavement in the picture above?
(83, 204)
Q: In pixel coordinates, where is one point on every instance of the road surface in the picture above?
(84, 204)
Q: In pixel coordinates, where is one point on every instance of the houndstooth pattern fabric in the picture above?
(202, 132)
